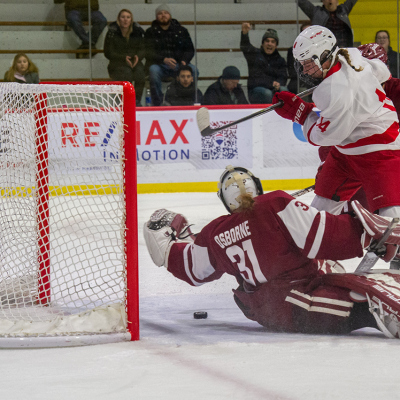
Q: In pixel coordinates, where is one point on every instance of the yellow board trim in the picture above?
(142, 188)
(281, 184)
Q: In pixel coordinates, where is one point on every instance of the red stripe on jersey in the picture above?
(312, 234)
(334, 69)
(386, 137)
(308, 135)
(391, 108)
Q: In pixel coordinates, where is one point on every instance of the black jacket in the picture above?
(216, 94)
(264, 68)
(175, 42)
(392, 60)
(116, 47)
(177, 95)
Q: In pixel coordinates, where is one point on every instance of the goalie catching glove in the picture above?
(162, 230)
(293, 107)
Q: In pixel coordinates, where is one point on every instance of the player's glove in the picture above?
(293, 107)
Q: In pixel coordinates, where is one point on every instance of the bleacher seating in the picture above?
(38, 28)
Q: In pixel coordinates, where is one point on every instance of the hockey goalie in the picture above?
(280, 251)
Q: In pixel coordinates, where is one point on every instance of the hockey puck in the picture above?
(200, 315)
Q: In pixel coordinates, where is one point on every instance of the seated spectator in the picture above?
(292, 86)
(76, 11)
(181, 92)
(124, 47)
(267, 69)
(168, 46)
(383, 39)
(333, 16)
(226, 90)
(23, 70)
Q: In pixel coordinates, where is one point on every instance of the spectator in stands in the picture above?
(76, 11)
(267, 69)
(23, 70)
(124, 47)
(333, 17)
(383, 39)
(181, 92)
(168, 46)
(292, 86)
(226, 90)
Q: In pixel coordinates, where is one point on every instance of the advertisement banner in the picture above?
(285, 145)
(172, 137)
(170, 148)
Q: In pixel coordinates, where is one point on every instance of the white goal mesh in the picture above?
(63, 209)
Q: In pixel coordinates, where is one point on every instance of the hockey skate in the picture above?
(163, 228)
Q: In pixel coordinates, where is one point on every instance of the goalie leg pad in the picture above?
(375, 225)
(381, 289)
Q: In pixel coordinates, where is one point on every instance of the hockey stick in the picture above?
(303, 191)
(370, 258)
(203, 116)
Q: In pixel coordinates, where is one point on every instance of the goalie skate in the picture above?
(387, 322)
(163, 228)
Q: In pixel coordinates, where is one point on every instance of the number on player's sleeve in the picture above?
(323, 125)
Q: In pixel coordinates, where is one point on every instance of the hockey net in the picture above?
(68, 229)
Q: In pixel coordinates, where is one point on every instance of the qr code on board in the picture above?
(221, 145)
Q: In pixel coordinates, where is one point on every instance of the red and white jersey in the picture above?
(279, 240)
(356, 116)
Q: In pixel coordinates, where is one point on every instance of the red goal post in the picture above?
(72, 201)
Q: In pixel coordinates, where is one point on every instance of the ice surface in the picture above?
(223, 357)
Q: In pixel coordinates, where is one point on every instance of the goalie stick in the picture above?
(203, 116)
(370, 258)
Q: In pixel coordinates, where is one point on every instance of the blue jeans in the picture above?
(99, 22)
(159, 73)
(261, 95)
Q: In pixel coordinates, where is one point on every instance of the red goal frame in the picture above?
(130, 186)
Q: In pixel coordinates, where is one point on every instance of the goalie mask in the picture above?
(312, 48)
(234, 182)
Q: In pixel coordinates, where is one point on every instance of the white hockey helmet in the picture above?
(312, 48)
(236, 181)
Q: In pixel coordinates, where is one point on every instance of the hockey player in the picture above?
(277, 248)
(356, 117)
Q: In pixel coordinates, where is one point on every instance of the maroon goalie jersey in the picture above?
(276, 252)
(280, 239)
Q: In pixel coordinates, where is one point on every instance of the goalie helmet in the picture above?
(234, 182)
(312, 48)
